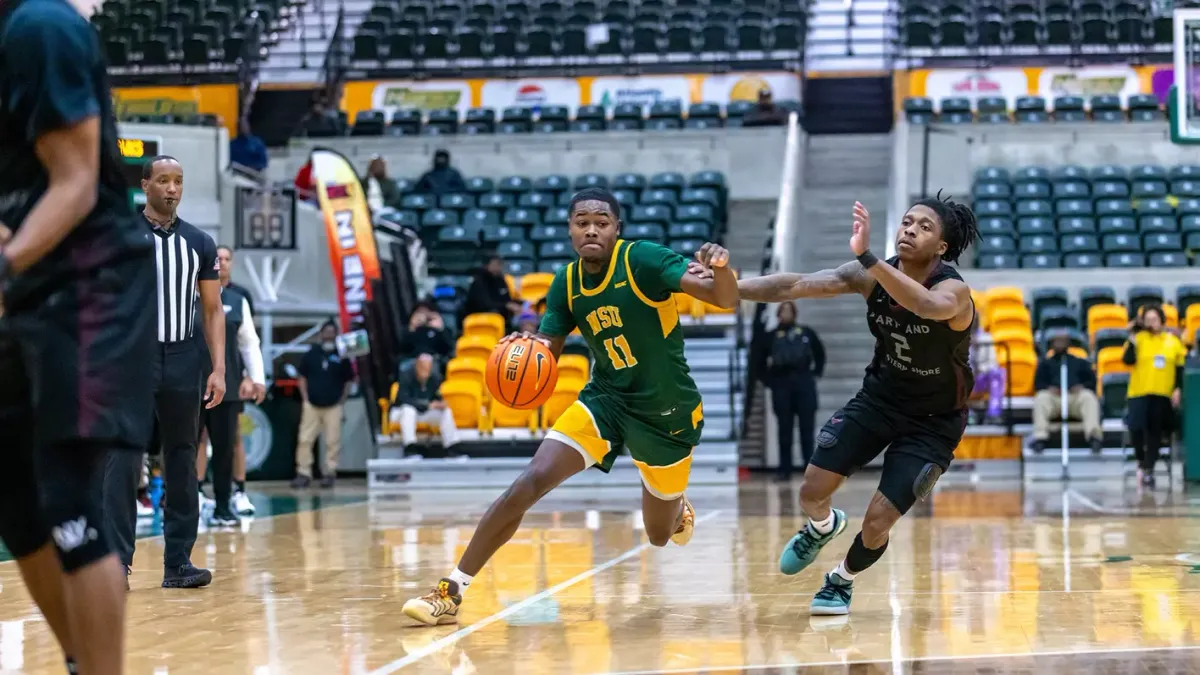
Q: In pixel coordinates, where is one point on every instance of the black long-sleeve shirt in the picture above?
(816, 366)
(416, 393)
(426, 340)
(1079, 372)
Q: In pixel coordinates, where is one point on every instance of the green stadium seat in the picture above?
(647, 231)
(456, 201)
(1041, 299)
(1148, 172)
(1058, 317)
(919, 110)
(994, 244)
(995, 261)
(481, 217)
(1077, 225)
(992, 190)
(1111, 189)
(1116, 243)
(501, 233)
(522, 217)
(707, 179)
(555, 249)
(629, 181)
(536, 200)
(1113, 207)
(1167, 259)
(1041, 261)
(996, 174)
(1114, 387)
(588, 180)
(518, 249)
(554, 183)
(1124, 260)
(497, 200)
(1033, 189)
(514, 184)
(1068, 173)
(1025, 207)
(1157, 224)
(418, 202)
(1186, 296)
(1080, 243)
(1082, 260)
(995, 225)
(1031, 110)
(478, 185)
(685, 247)
(548, 232)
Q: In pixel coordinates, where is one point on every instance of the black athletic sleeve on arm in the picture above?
(209, 265)
(51, 82)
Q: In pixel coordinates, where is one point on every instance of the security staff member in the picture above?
(187, 267)
(243, 355)
(1157, 357)
(795, 359)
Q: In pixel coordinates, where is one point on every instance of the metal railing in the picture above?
(337, 56)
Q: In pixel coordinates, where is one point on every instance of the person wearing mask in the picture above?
(324, 384)
(795, 359)
(1082, 402)
(380, 190)
(248, 150)
(442, 179)
(489, 292)
(765, 113)
(426, 334)
(419, 400)
(1157, 357)
(990, 380)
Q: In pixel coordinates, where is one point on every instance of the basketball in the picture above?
(522, 373)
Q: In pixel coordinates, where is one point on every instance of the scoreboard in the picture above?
(135, 150)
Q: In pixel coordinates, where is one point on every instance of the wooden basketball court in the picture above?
(1096, 579)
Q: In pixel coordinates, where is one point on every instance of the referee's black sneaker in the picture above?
(186, 576)
(223, 516)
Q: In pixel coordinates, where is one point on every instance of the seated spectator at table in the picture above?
(419, 400)
(1082, 402)
(989, 375)
(381, 190)
(765, 113)
(1157, 357)
(489, 292)
(426, 334)
(442, 179)
(248, 150)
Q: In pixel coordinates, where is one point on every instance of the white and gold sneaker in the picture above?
(437, 607)
(688, 525)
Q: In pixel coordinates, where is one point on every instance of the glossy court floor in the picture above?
(994, 578)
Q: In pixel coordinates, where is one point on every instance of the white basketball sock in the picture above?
(462, 579)
(822, 526)
(842, 572)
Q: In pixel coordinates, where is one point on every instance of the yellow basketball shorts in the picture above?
(598, 426)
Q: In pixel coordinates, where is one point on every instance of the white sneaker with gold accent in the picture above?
(684, 534)
(437, 607)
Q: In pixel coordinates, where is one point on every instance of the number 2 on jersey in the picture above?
(901, 348)
(620, 353)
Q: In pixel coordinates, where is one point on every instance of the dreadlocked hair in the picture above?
(960, 229)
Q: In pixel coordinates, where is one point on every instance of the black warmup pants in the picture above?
(222, 425)
(1151, 421)
(177, 391)
(794, 397)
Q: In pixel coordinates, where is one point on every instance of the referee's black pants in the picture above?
(222, 424)
(176, 368)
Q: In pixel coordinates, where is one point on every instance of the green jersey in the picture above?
(628, 318)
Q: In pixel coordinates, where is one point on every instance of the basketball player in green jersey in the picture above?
(619, 295)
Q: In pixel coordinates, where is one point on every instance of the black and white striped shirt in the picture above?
(186, 255)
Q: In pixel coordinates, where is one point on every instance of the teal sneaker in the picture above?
(804, 547)
(834, 597)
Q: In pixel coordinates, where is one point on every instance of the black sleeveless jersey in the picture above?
(921, 366)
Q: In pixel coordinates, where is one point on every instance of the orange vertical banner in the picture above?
(348, 227)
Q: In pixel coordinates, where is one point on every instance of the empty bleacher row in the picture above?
(659, 116)
(1033, 110)
(182, 32)
(478, 31)
(1072, 216)
(1097, 325)
(524, 219)
(937, 25)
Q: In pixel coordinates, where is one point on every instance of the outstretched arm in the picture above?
(943, 302)
(844, 280)
(719, 286)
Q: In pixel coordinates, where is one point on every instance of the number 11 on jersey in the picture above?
(619, 353)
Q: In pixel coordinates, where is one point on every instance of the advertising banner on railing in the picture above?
(392, 95)
(1011, 83)
(201, 99)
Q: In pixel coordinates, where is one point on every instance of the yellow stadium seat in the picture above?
(465, 399)
(981, 307)
(534, 286)
(466, 368)
(1171, 314)
(1003, 296)
(1191, 323)
(1022, 364)
(504, 417)
(1009, 316)
(1109, 360)
(573, 366)
(385, 409)
(475, 347)
(488, 325)
(686, 305)
(1015, 338)
(1106, 316)
(565, 393)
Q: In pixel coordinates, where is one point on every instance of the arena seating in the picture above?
(1029, 26)
(661, 116)
(1071, 216)
(191, 33)
(476, 32)
(1033, 110)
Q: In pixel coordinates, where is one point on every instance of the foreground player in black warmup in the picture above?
(76, 278)
(913, 400)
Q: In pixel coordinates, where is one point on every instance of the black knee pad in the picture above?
(907, 482)
(859, 557)
(71, 503)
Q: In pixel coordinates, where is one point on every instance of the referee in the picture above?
(187, 267)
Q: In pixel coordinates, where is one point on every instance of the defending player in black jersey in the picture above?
(913, 399)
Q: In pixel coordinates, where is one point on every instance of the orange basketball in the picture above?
(522, 373)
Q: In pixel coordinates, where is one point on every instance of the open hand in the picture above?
(860, 240)
(214, 390)
(523, 334)
(712, 255)
(700, 271)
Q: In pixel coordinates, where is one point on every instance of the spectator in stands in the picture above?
(1157, 357)
(489, 292)
(324, 383)
(248, 150)
(419, 399)
(1082, 402)
(426, 334)
(528, 320)
(766, 113)
(990, 380)
(320, 121)
(381, 191)
(442, 178)
(795, 359)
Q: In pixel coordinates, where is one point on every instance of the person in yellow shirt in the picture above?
(1157, 357)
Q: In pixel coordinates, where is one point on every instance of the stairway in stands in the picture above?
(709, 359)
(299, 55)
(839, 170)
